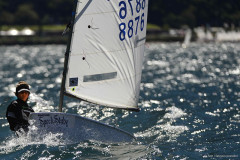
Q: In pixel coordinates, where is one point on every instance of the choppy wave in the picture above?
(189, 104)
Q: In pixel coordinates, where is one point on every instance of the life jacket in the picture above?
(17, 114)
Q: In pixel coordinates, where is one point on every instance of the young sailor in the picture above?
(18, 111)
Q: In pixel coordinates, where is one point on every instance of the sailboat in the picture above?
(187, 38)
(103, 66)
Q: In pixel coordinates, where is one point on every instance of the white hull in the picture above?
(76, 128)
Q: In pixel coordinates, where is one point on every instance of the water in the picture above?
(189, 104)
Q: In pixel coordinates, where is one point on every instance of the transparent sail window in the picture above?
(99, 77)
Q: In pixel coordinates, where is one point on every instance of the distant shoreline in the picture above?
(53, 35)
(32, 40)
(57, 39)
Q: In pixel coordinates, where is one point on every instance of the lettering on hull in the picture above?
(56, 120)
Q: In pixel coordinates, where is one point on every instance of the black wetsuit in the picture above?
(17, 115)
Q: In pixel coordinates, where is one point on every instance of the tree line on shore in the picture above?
(164, 13)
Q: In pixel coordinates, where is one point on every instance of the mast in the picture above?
(65, 69)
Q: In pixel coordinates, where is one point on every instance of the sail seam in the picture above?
(105, 51)
(115, 79)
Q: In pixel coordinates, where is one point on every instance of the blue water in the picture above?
(189, 102)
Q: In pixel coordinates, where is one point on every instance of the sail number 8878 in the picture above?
(133, 25)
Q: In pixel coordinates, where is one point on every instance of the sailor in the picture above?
(18, 111)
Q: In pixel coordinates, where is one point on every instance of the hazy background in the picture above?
(164, 13)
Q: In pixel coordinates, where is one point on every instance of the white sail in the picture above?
(106, 52)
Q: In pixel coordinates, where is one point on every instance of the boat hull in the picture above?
(75, 128)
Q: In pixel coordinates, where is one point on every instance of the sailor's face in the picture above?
(23, 95)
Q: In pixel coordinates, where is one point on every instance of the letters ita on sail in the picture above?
(106, 52)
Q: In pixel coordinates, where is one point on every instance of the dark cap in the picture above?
(22, 86)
